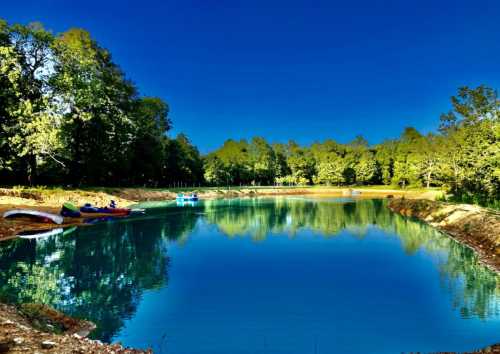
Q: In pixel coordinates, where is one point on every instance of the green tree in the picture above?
(99, 102)
(148, 148)
(301, 163)
(365, 168)
(407, 158)
(263, 160)
(331, 171)
(472, 145)
(215, 172)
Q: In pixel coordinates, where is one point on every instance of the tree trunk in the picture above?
(31, 169)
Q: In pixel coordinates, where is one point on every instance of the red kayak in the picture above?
(118, 211)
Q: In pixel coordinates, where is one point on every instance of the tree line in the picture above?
(70, 116)
(463, 157)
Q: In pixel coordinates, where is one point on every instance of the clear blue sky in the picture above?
(302, 70)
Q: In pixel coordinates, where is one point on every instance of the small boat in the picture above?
(88, 208)
(116, 211)
(193, 197)
(39, 216)
(34, 234)
(69, 210)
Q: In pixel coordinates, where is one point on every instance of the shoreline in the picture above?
(51, 200)
(474, 227)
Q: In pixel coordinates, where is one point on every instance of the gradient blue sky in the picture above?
(302, 70)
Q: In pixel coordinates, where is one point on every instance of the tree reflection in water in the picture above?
(100, 272)
(475, 288)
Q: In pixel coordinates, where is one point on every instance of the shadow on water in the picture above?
(100, 272)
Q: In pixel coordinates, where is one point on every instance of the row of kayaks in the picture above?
(70, 210)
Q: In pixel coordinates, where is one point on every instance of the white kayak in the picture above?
(40, 233)
(43, 216)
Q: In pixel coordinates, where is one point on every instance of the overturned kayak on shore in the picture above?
(39, 216)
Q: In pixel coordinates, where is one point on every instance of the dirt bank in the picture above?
(127, 196)
(476, 227)
(139, 194)
(32, 328)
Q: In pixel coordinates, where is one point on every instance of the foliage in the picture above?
(69, 115)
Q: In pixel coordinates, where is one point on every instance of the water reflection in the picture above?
(101, 272)
(475, 288)
(97, 272)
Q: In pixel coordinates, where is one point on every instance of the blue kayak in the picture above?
(87, 208)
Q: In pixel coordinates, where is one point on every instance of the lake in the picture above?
(265, 275)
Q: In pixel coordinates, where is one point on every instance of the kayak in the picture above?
(70, 214)
(120, 211)
(87, 208)
(69, 206)
(40, 216)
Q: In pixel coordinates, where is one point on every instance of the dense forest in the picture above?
(69, 116)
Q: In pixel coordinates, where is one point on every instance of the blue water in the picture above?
(277, 275)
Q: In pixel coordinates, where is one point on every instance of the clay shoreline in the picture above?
(475, 227)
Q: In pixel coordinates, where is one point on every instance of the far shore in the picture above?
(50, 200)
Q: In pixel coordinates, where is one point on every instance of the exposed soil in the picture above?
(476, 227)
(33, 328)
